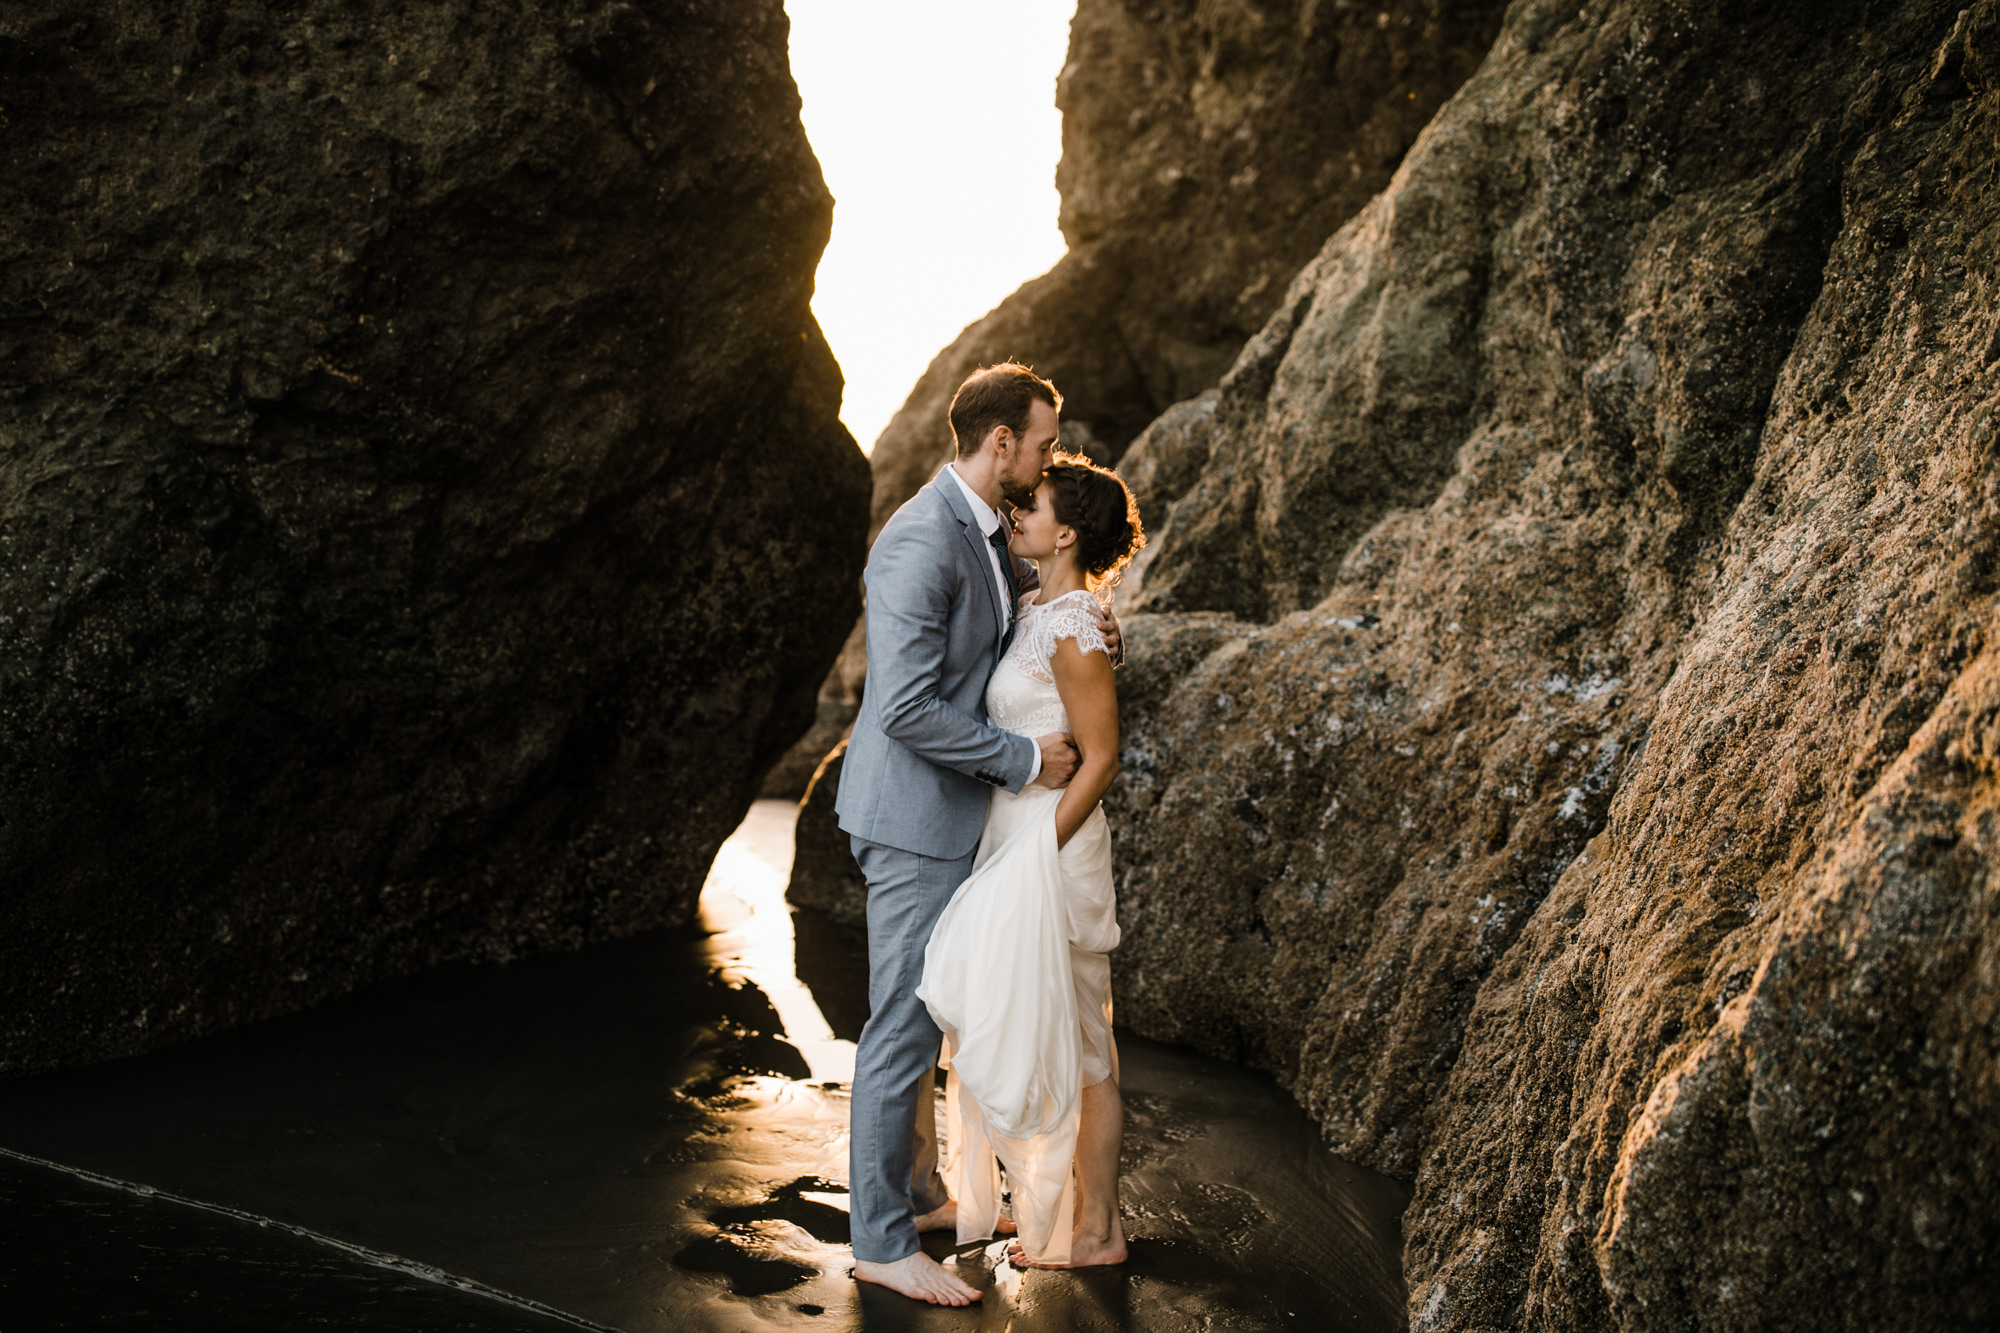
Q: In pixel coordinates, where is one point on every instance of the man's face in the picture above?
(1026, 456)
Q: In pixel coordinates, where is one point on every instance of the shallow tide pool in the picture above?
(646, 1135)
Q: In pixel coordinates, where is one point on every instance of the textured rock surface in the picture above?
(839, 700)
(1208, 151)
(421, 496)
(1561, 729)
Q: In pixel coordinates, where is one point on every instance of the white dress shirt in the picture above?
(988, 519)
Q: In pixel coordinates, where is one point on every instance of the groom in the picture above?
(942, 590)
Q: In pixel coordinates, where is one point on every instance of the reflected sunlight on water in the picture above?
(743, 903)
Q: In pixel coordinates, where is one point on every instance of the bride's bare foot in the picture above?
(919, 1277)
(1084, 1251)
(946, 1219)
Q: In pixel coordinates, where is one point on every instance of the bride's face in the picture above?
(1036, 531)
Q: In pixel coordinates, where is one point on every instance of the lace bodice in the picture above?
(1022, 697)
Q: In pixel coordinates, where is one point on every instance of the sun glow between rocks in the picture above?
(935, 124)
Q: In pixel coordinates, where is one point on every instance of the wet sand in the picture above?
(648, 1135)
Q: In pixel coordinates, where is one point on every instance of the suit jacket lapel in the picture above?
(975, 540)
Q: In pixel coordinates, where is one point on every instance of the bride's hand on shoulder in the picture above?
(1114, 641)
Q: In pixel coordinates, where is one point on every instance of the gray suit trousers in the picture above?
(892, 1145)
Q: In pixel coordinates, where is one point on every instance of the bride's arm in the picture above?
(1083, 679)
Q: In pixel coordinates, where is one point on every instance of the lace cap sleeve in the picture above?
(1075, 617)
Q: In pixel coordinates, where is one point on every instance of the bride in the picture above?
(1017, 973)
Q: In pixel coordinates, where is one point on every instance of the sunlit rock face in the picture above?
(1208, 150)
(1560, 734)
(425, 510)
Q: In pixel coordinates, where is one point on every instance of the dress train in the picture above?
(1017, 975)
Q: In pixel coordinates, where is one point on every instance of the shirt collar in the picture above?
(988, 516)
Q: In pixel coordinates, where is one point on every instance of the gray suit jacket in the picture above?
(922, 757)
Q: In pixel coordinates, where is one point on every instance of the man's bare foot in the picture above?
(1084, 1251)
(946, 1219)
(919, 1277)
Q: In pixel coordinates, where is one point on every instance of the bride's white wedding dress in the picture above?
(1016, 972)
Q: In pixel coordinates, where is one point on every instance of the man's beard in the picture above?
(1017, 495)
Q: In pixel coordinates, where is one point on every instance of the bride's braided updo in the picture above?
(1093, 501)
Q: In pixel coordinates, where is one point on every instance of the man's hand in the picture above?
(1059, 760)
(1107, 625)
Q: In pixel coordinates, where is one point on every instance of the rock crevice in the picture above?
(1208, 152)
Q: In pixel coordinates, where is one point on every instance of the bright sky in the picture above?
(903, 100)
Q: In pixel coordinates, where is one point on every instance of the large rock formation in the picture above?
(425, 512)
(1208, 151)
(1561, 729)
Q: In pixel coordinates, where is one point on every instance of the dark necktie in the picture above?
(998, 539)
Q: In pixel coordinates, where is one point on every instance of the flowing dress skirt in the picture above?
(1017, 975)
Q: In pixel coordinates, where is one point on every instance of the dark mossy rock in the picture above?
(423, 505)
(824, 875)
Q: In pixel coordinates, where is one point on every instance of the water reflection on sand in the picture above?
(651, 1135)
